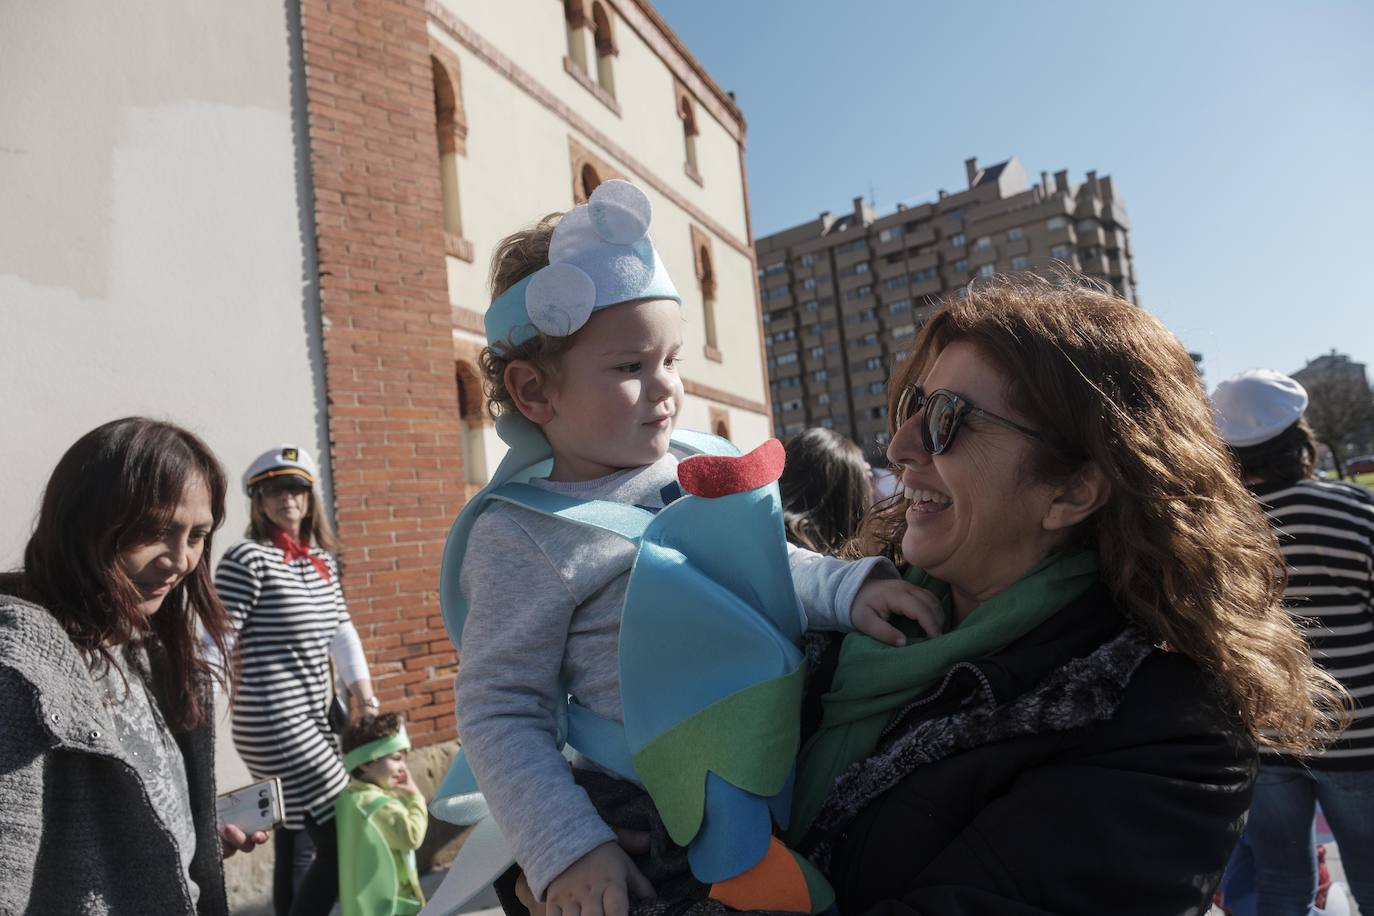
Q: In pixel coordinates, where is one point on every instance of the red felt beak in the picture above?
(713, 476)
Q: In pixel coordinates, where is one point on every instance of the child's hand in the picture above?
(878, 599)
(598, 884)
(405, 783)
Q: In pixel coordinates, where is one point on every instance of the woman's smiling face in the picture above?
(976, 517)
(158, 565)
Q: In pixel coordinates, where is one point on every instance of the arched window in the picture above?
(576, 20)
(450, 125)
(472, 421)
(706, 275)
(605, 47)
(588, 180)
(686, 112)
(719, 421)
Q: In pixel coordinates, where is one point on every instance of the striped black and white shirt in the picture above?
(287, 616)
(1326, 533)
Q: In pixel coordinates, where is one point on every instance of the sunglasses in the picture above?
(273, 487)
(945, 413)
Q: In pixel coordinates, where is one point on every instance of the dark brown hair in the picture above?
(1184, 548)
(368, 730)
(118, 487)
(517, 256)
(1289, 456)
(826, 488)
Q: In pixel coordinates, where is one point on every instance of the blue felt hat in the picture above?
(600, 255)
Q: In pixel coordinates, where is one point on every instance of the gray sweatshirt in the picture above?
(545, 598)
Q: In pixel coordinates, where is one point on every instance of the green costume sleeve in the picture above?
(402, 821)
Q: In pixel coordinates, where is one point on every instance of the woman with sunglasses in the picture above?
(1082, 737)
(107, 749)
(281, 587)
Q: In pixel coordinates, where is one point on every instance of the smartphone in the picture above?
(252, 808)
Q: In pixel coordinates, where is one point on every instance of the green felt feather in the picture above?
(750, 739)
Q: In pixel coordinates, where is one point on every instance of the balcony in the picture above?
(1064, 235)
(918, 237)
(1087, 207)
(1094, 235)
(1093, 261)
(881, 248)
(977, 257)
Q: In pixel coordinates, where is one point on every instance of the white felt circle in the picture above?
(620, 212)
(559, 299)
(573, 234)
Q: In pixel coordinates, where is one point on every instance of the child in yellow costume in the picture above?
(381, 820)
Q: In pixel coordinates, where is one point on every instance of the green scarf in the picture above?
(874, 681)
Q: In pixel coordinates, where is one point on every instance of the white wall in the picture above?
(152, 257)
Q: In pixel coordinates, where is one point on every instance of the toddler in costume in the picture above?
(381, 820)
(584, 337)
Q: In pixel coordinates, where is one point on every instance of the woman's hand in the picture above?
(879, 599)
(598, 884)
(232, 840)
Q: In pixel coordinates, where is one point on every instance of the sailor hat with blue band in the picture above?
(282, 461)
(600, 255)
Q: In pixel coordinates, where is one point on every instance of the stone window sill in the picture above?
(458, 247)
(591, 86)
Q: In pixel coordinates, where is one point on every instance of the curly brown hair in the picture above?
(517, 256)
(1183, 546)
(370, 729)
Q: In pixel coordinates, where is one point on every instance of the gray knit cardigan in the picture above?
(78, 834)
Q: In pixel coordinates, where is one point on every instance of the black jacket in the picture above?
(1079, 771)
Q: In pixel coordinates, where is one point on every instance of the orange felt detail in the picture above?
(721, 475)
(775, 883)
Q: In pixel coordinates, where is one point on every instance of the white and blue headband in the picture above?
(600, 255)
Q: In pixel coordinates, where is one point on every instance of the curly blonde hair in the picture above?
(517, 256)
(1184, 547)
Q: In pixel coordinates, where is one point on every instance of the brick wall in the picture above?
(395, 449)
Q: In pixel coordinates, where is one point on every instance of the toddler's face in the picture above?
(618, 392)
(388, 772)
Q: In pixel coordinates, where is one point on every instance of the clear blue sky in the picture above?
(1240, 134)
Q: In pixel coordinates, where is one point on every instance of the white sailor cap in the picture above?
(278, 462)
(1256, 405)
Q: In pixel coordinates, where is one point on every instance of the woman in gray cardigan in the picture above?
(107, 788)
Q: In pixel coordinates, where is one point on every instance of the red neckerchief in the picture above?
(296, 550)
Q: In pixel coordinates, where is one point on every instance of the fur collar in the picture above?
(1083, 691)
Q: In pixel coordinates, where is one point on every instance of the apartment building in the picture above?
(843, 296)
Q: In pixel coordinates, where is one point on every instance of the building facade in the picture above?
(274, 223)
(844, 296)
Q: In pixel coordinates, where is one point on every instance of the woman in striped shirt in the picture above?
(1326, 533)
(281, 588)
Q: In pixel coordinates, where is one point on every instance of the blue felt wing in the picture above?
(711, 610)
(734, 833)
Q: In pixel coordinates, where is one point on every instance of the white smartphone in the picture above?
(252, 808)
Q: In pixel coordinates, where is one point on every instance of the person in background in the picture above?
(826, 488)
(107, 770)
(282, 591)
(381, 820)
(1326, 533)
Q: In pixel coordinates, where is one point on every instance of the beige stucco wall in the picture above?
(151, 251)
